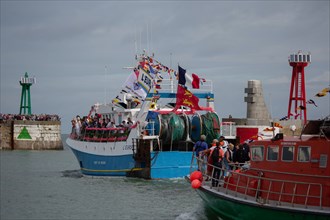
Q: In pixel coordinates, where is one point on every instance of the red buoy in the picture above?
(196, 175)
(196, 184)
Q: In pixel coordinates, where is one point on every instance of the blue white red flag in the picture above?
(182, 76)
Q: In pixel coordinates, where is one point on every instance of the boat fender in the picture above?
(195, 184)
(196, 175)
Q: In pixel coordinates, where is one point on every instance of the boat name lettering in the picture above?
(127, 147)
(99, 162)
(288, 143)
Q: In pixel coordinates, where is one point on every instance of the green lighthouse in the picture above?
(26, 83)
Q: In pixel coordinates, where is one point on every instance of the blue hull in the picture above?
(98, 165)
(171, 164)
(165, 165)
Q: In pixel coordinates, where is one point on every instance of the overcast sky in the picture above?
(67, 44)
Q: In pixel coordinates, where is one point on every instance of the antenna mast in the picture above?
(105, 86)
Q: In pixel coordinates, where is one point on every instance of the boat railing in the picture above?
(102, 134)
(325, 128)
(317, 127)
(257, 188)
(150, 128)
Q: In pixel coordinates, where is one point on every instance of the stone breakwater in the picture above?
(30, 135)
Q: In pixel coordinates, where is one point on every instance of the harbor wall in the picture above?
(31, 135)
(6, 135)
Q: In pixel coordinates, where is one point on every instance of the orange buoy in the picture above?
(196, 175)
(196, 184)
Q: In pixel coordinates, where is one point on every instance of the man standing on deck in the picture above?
(224, 146)
(217, 155)
(199, 147)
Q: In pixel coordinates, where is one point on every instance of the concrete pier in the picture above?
(30, 135)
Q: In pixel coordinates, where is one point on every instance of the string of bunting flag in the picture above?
(322, 93)
(153, 66)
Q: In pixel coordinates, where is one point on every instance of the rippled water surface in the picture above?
(48, 185)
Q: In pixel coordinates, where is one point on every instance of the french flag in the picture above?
(182, 76)
(193, 79)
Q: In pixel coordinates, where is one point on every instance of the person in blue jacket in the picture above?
(199, 147)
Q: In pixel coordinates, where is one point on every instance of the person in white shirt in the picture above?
(225, 144)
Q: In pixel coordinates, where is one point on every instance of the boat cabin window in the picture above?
(287, 153)
(323, 160)
(272, 153)
(257, 153)
(304, 153)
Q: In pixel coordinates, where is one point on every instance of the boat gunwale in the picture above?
(310, 210)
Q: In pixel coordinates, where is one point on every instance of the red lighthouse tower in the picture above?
(297, 99)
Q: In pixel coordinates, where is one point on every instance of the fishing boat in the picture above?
(102, 151)
(150, 127)
(288, 177)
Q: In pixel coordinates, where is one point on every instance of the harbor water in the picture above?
(49, 185)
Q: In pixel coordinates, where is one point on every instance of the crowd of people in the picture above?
(221, 157)
(79, 125)
(32, 117)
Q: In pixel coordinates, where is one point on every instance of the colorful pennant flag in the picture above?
(151, 69)
(301, 107)
(284, 118)
(157, 86)
(137, 72)
(311, 102)
(157, 66)
(276, 124)
(323, 92)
